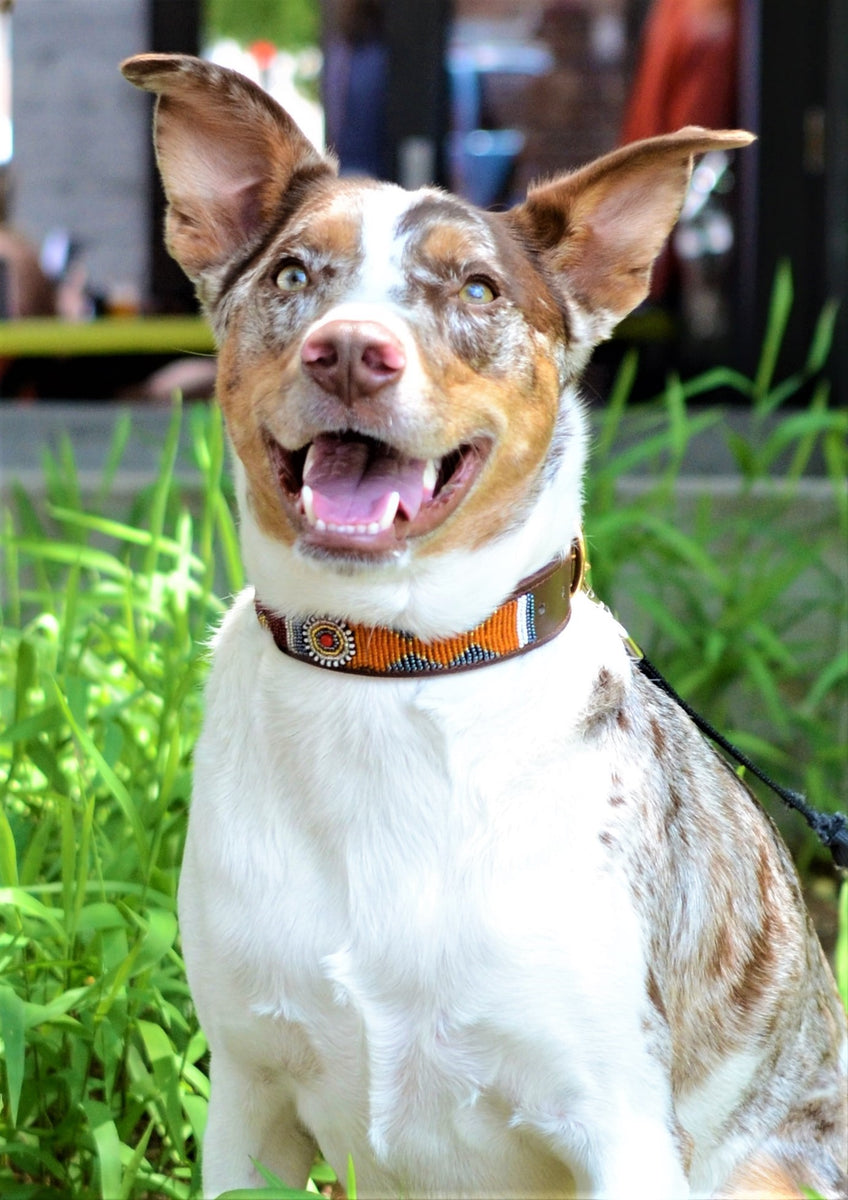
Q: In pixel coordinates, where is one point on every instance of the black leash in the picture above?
(830, 828)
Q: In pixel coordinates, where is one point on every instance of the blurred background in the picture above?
(482, 96)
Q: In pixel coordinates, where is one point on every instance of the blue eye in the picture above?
(477, 291)
(292, 277)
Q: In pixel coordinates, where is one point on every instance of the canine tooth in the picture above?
(431, 474)
(321, 526)
(374, 527)
(310, 458)
(390, 513)
(308, 502)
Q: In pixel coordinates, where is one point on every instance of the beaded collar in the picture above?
(536, 611)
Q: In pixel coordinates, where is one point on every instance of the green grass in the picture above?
(102, 658)
(103, 636)
(741, 603)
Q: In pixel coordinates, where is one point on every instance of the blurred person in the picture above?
(25, 291)
(570, 114)
(687, 74)
(354, 86)
(687, 70)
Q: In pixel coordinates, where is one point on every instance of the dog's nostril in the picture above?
(383, 357)
(319, 354)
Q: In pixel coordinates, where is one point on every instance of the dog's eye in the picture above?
(477, 291)
(292, 277)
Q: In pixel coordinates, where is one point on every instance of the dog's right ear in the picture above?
(227, 153)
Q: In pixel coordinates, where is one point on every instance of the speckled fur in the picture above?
(512, 933)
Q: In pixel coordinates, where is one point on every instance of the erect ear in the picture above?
(227, 153)
(599, 229)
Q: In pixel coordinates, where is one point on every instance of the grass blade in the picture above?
(780, 307)
(13, 1033)
(116, 788)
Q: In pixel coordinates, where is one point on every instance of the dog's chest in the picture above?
(400, 999)
(386, 896)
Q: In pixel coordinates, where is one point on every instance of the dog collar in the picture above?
(536, 611)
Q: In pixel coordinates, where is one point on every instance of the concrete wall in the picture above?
(81, 133)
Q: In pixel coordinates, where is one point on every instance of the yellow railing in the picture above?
(48, 337)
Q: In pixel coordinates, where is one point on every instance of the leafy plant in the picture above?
(739, 598)
(293, 23)
(841, 954)
(101, 653)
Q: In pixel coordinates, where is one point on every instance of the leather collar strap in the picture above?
(536, 611)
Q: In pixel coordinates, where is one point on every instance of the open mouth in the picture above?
(348, 491)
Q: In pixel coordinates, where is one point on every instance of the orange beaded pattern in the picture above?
(538, 610)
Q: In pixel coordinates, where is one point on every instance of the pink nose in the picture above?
(352, 359)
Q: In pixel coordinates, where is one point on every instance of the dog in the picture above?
(466, 900)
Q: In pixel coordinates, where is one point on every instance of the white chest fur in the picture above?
(388, 880)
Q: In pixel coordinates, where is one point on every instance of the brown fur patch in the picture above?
(605, 701)
(755, 976)
(522, 426)
(655, 995)
(761, 1179)
(249, 397)
(657, 737)
(455, 244)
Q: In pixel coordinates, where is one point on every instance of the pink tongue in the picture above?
(352, 481)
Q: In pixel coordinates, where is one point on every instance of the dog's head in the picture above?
(396, 368)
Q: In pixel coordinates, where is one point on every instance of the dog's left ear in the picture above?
(227, 153)
(599, 229)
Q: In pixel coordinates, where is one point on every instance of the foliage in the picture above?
(740, 601)
(102, 655)
(289, 24)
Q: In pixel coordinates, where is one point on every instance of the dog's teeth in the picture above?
(390, 513)
(431, 474)
(310, 458)
(308, 502)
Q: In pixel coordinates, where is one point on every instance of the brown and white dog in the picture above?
(504, 931)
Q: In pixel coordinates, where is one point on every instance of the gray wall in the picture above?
(81, 133)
